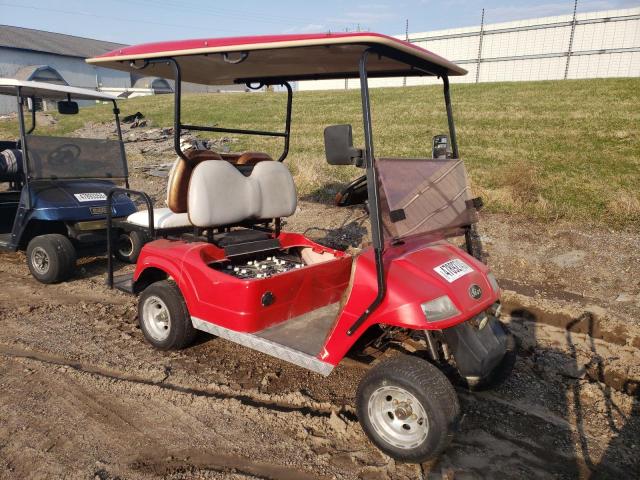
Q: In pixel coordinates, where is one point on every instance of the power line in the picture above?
(107, 17)
(226, 13)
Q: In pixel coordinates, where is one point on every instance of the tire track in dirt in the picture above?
(314, 410)
(90, 400)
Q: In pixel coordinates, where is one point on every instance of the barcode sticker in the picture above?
(453, 270)
(90, 197)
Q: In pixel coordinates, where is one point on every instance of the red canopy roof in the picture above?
(281, 57)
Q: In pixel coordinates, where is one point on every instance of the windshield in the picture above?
(74, 158)
(424, 196)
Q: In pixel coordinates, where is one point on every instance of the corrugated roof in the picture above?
(56, 43)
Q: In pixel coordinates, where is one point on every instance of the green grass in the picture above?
(544, 150)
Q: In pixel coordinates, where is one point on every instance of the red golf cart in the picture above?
(218, 261)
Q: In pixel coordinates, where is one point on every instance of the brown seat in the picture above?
(246, 158)
(178, 184)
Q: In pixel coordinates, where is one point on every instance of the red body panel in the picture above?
(411, 281)
(235, 304)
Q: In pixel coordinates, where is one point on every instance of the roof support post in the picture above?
(23, 143)
(123, 154)
(452, 125)
(177, 102)
(287, 124)
(373, 194)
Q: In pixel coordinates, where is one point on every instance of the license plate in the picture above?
(90, 197)
(98, 210)
(453, 270)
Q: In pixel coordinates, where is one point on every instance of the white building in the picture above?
(593, 45)
(54, 57)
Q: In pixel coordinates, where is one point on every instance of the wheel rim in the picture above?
(125, 248)
(156, 318)
(40, 260)
(398, 417)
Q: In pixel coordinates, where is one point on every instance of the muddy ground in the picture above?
(83, 396)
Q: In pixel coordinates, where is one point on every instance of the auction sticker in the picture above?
(90, 197)
(453, 270)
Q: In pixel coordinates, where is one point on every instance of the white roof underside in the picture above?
(49, 90)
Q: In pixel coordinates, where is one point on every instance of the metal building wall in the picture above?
(74, 70)
(593, 45)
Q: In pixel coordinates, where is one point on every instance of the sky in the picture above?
(139, 21)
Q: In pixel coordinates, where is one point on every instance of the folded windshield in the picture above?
(424, 196)
(74, 158)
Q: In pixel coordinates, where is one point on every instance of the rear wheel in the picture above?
(51, 258)
(164, 318)
(129, 246)
(408, 409)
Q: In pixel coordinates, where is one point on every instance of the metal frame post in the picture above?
(23, 143)
(123, 154)
(450, 121)
(373, 194)
(178, 126)
(471, 235)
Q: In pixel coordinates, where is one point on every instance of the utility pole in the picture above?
(573, 31)
(480, 47)
(406, 38)
(346, 79)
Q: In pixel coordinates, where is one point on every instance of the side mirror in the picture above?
(67, 107)
(440, 147)
(338, 146)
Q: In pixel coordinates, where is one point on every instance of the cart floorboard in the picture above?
(306, 333)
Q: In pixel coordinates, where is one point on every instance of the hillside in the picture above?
(546, 150)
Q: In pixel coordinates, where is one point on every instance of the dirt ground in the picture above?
(83, 396)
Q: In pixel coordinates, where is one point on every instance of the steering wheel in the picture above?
(64, 155)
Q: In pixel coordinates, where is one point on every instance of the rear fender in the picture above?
(170, 257)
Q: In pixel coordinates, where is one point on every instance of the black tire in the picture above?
(165, 298)
(129, 246)
(430, 388)
(51, 258)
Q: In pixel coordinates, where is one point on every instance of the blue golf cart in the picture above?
(53, 190)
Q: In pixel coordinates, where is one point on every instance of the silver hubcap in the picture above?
(40, 260)
(126, 245)
(156, 318)
(398, 417)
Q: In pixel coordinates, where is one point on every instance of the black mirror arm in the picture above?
(33, 116)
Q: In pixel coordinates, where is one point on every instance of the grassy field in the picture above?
(545, 150)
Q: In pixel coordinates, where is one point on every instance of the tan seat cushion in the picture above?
(178, 185)
(246, 158)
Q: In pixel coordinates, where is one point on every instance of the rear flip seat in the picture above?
(175, 214)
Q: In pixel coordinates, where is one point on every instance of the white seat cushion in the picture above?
(162, 218)
(277, 191)
(220, 195)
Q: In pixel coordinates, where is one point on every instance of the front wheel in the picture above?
(408, 409)
(164, 318)
(51, 258)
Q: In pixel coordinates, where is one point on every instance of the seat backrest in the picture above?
(179, 176)
(220, 195)
(246, 158)
(11, 168)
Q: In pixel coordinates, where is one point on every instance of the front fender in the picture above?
(411, 281)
